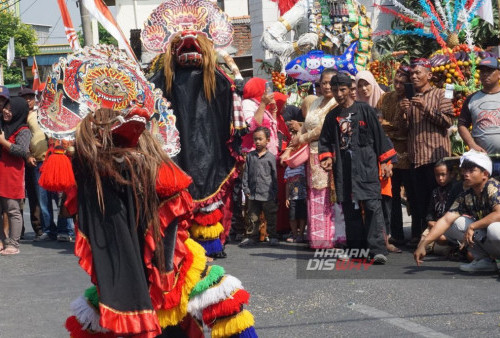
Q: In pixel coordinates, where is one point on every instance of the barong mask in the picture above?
(104, 77)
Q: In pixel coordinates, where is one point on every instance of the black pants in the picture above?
(237, 219)
(423, 182)
(367, 233)
(400, 177)
(32, 194)
(270, 209)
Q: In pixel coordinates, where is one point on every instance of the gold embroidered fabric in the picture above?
(311, 130)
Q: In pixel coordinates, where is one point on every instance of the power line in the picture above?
(34, 2)
(4, 8)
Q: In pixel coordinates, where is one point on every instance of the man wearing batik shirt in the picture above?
(474, 217)
(353, 142)
(481, 110)
(429, 115)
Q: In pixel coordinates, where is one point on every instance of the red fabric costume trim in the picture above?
(387, 155)
(211, 218)
(227, 307)
(71, 202)
(84, 253)
(143, 324)
(171, 282)
(325, 155)
(76, 331)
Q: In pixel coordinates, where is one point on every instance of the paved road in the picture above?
(397, 299)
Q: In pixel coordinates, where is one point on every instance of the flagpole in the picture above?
(86, 24)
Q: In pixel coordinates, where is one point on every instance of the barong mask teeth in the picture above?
(188, 50)
(128, 127)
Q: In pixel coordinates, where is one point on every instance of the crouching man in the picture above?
(474, 217)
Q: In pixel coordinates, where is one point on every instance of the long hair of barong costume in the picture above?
(187, 34)
(133, 207)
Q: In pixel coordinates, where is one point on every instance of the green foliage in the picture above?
(25, 41)
(104, 37)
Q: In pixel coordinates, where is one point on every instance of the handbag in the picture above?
(298, 157)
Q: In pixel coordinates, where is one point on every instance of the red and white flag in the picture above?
(36, 77)
(99, 10)
(68, 26)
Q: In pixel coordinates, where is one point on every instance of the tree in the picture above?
(104, 37)
(25, 41)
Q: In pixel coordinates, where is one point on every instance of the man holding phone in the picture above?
(396, 128)
(429, 115)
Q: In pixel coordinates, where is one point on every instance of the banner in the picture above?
(99, 10)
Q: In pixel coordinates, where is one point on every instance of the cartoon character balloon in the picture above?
(308, 67)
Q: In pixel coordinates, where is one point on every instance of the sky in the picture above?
(46, 12)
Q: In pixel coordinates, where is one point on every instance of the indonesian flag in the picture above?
(36, 78)
(68, 26)
(99, 10)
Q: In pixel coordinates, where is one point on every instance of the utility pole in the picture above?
(86, 25)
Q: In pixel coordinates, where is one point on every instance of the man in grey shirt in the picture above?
(482, 111)
(260, 185)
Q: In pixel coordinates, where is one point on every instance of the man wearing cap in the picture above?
(38, 148)
(482, 111)
(353, 140)
(474, 217)
(429, 115)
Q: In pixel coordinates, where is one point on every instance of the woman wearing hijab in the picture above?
(368, 89)
(14, 141)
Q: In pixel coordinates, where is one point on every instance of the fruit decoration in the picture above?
(279, 80)
(385, 68)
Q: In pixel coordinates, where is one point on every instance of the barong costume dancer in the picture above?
(206, 106)
(133, 207)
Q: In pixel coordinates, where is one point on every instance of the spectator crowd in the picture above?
(333, 173)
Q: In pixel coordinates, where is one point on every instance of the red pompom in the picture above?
(76, 331)
(171, 179)
(57, 172)
(225, 308)
(208, 219)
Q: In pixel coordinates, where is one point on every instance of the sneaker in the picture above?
(379, 259)
(480, 265)
(247, 242)
(64, 238)
(43, 237)
(274, 242)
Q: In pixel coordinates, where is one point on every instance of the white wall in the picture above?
(128, 18)
(236, 7)
(262, 13)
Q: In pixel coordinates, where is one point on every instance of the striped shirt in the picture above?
(428, 139)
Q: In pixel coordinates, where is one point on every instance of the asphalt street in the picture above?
(395, 300)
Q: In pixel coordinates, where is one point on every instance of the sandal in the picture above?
(291, 240)
(393, 249)
(10, 250)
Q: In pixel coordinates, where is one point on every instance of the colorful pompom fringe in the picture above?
(211, 246)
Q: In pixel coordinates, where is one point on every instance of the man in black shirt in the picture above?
(353, 143)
